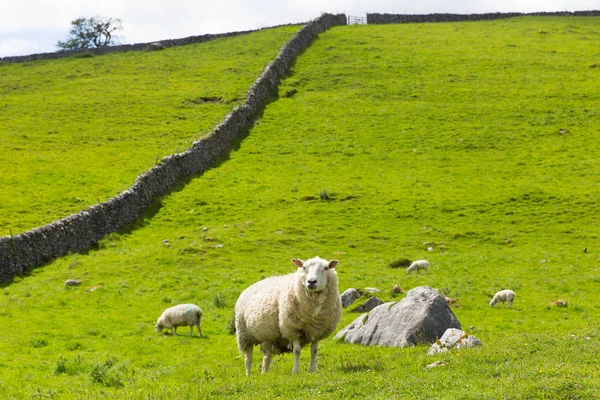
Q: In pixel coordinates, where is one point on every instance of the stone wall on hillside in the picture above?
(78, 232)
(128, 47)
(415, 18)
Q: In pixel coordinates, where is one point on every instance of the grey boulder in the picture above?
(369, 305)
(349, 296)
(422, 317)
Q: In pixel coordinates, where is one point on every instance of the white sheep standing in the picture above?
(284, 313)
(417, 266)
(180, 315)
(503, 296)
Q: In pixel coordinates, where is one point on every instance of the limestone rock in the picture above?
(369, 305)
(350, 296)
(453, 339)
(422, 317)
(72, 282)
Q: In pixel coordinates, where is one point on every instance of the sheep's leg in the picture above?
(199, 329)
(248, 358)
(266, 363)
(313, 356)
(296, 350)
(191, 330)
(174, 331)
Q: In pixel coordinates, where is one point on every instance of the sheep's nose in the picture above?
(311, 282)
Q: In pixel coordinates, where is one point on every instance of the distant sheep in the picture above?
(284, 313)
(503, 296)
(180, 315)
(418, 265)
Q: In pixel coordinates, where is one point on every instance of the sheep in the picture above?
(418, 265)
(285, 313)
(503, 296)
(180, 315)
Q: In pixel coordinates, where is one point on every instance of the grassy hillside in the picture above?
(77, 131)
(476, 139)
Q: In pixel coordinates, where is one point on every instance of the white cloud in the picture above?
(30, 41)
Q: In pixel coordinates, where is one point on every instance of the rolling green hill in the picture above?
(475, 139)
(78, 131)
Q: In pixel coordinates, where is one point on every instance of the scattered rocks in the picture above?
(397, 289)
(436, 364)
(350, 296)
(372, 290)
(453, 339)
(166, 243)
(421, 317)
(369, 305)
(452, 301)
(72, 282)
(559, 303)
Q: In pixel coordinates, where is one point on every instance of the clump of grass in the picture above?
(38, 343)
(231, 325)
(109, 374)
(61, 366)
(86, 54)
(324, 195)
(219, 300)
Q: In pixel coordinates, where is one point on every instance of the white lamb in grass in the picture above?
(503, 296)
(180, 315)
(284, 313)
(418, 265)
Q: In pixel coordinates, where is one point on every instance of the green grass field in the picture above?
(78, 131)
(477, 139)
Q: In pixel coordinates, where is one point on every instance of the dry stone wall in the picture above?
(415, 18)
(80, 231)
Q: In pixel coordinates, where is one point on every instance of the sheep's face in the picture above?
(159, 328)
(314, 272)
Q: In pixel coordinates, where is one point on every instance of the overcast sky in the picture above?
(34, 26)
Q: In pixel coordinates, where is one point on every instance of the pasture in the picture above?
(475, 139)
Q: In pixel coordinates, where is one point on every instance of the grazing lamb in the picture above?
(503, 296)
(418, 265)
(284, 313)
(180, 315)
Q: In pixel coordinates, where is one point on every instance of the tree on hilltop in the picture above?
(88, 33)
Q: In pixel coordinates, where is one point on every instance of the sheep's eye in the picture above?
(326, 268)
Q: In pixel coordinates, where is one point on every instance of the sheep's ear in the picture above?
(298, 263)
(333, 263)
